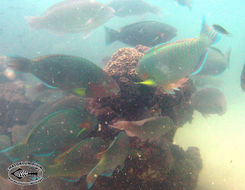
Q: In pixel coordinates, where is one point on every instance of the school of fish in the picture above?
(61, 134)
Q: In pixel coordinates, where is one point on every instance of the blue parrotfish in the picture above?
(55, 133)
(167, 64)
(114, 156)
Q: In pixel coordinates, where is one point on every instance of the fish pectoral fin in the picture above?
(80, 91)
(169, 88)
(148, 82)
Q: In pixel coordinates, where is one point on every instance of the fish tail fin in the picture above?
(21, 64)
(210, 32)
(111, 35)
(34, 22)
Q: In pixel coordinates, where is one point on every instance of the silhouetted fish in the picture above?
(187, 3)
(209, 101)
(73, 16)
(201, 81)
(132, 7)
(148, 33)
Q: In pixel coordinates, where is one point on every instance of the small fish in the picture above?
(221, 29)
(147, 33)
(72, 16)
(217, 62)
(209, 101)
(187, 3)
(125, 8)
(71, 74)
(54, 133)
(147, 129)
(166, 64)
(113, 157)
(243, 78)
(77, 161)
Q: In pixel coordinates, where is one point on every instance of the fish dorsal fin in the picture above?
(168, 44)
(64, 3)
(157, 47)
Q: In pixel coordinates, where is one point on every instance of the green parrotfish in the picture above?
(113, 157)
(166, 64)
(72, 74)
(55, 133)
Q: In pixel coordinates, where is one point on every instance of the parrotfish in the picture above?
(147, 129)
(243, 78)
(166, 64)
(147, 33)
(78, 160)
(113, 157)
(209, 101)
(72, 74)
(187, 3)
(73, 16)
(55, 133)
(66, 102)
(125, 8)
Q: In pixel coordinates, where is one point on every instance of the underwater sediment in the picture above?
(150, 166)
